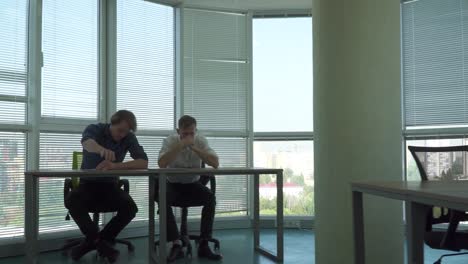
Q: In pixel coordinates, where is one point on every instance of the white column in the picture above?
(357, 125)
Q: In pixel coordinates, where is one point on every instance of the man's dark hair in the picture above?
(187, 121)
(127, 116)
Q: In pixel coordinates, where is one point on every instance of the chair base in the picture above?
(72, 243)
(186, 243)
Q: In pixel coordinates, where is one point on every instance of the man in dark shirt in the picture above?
(104, 148)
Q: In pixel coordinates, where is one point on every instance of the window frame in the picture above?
(282, 136)
(420, 133)
(35, 124)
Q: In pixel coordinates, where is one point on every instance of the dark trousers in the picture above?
(189, 195)
(100, 197)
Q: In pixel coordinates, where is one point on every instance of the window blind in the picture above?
(12, 166)
(13, 54)
(55, 152)
(70, 48)
(215, 69)
(145, 62)
(435, 62)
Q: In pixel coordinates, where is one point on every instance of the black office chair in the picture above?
(185, 236)
(72, 183)
(443, 164)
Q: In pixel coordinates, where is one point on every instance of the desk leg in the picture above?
(162, 219)
(415, 224)
(358, 222)
(31, 221)
(256, 211)
(151, 219)
(279, 216)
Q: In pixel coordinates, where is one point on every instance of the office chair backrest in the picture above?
(441, 163)
(76, 165)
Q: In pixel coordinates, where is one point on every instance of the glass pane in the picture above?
(12, 112)
(282, 74)
(70, 46)
(297, 160)
(56, 152)
(13, 52)
(437, 164)
(12, 166)
(145, 62)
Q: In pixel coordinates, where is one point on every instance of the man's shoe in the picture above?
(176, 253)
(106, 250)
(84, 247)
(204, 251)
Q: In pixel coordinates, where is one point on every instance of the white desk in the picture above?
(32, 204)
(419, 197)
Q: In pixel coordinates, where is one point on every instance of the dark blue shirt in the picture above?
(102, 135)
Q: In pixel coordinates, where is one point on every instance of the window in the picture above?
(13, 62)
(436, 160)
(12, 166)
(282, 63)
(282, 90)
(70, 47)
(56, 152)
(145, 62)
(215, 69)
(215, 87)
(145, 79)
(434, 77)
(13, 99)
(434, 59)
(297, 159)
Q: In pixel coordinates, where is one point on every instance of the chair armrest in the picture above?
(125, 184)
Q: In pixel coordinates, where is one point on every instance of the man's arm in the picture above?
(88, 141)
(138, 164)
(140, 159)
(207, 156)
(170, 151)
(206, 153)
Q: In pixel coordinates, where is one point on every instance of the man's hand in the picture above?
(188, 141)
(107, 154)
(106, 165)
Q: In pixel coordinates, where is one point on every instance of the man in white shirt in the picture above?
(187, 149)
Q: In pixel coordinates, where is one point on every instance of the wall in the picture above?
(357, 122)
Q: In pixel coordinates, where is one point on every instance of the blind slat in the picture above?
(70, 46)
(435, 76)
(215, 69)
(145, 62)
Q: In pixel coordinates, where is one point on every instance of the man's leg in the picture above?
(78, 203)
(115, 199)
(173, 235)
(196, 194)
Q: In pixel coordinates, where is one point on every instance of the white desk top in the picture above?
(440, 193)
(137, 173)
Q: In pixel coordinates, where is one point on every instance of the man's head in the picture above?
(122, 123)
(187, 126)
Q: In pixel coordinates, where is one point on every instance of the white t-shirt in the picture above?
(186, 158)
